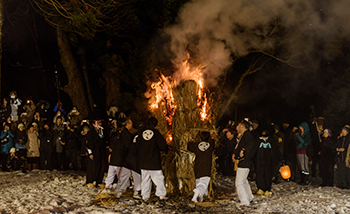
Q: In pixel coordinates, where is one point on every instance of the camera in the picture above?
(297, 131)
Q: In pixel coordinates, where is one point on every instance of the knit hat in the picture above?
(329, 132)
(20, 125)
(346, 128)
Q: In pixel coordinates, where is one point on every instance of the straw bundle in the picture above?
(186, 126)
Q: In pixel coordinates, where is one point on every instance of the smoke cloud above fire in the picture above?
(217, 32)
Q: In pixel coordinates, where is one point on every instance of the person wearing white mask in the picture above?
(15, 102)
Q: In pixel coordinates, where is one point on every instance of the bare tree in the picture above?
(84, 18)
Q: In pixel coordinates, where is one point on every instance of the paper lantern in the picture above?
(285, 172)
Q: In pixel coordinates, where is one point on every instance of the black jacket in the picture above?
(328, 149)
(203, 161)
(268, 154)
(343, 142)
(130, 161)
(20, 137)
(45, 137)
(72, 140)
(248, 143)
(5, 111)
(92, 143)
(149, 144)
(119, 143)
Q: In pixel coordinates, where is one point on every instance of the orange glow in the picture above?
(162, 92)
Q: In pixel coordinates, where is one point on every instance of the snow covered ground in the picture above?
(63, 192)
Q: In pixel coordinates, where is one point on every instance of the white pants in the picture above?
(123, 175)
(242, 186)
(201, 188)
(149, 176)
(124, 183)
(303, 163)
(112, 172)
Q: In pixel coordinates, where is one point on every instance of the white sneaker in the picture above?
(119, 194)
(136, 195)
(163, 198)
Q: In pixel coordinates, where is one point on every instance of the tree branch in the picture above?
(252, 69)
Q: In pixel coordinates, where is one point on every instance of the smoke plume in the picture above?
(217, 32)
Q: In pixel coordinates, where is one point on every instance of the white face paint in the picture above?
(203, 146)
(147, 134)
(13, 97)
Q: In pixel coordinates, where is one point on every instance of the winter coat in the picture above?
(204, 152)
(71, 139)
(343, 142)
(74, 118)
(268, 154)
(33, 145)
(94, 143)
(149, 145)
(30, 110)
(120, 143)
(57, 107)
(58, 136)
(83, 141)
(14, 103)
(46, 144)
(40, 123)
(248, 143)
(5, 111)
(279, 138)
(20, 139)
(327, 149)
(6, 141)
(302, 141)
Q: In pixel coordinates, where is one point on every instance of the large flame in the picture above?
(163, 91)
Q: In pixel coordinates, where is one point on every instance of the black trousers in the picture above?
(83, 162)
(3, 160)
(46, 156)
(264, 176)
(72, 158)
(315, 161)
(326, 171)
(292, 162)
(94, 171)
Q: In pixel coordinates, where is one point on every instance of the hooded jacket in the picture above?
(6, 141)
(302, 141)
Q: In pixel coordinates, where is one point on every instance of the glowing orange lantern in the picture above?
(285, 172)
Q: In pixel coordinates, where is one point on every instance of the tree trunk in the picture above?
(112, 82)
(74, 88)
(112, 90)
(1, 23)
(82, 53)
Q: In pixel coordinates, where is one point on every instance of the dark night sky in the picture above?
(278, 92)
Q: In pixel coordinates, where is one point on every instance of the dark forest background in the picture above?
(126, 59)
